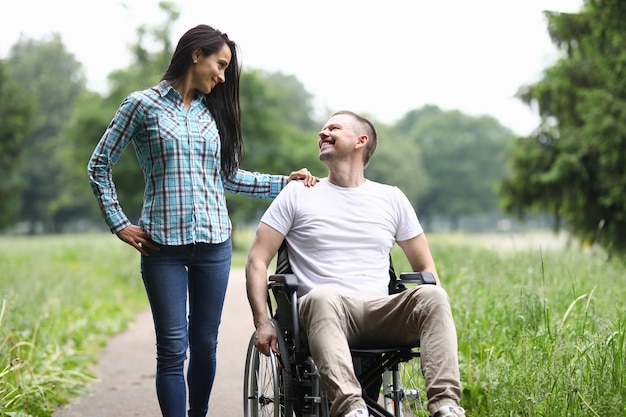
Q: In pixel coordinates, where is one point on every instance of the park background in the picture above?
(541, 326)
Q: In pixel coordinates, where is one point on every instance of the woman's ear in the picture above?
(196, 55)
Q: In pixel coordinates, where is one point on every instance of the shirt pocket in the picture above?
(168, 128)
(207, 129)
(165, 141)
(208, 137)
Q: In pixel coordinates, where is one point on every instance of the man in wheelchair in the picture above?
(339, 234)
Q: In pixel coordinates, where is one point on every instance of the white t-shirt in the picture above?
(342, 236)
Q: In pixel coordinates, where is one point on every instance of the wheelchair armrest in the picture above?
(285, 290)
(289, 281)
(420, 278)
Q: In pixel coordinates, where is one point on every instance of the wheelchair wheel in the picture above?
(406, 382)
(268, 387)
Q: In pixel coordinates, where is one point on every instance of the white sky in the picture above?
(383, 58)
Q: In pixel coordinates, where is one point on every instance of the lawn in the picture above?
(541, 325)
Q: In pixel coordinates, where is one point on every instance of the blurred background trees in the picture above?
(16, 110)
(51, 79)
(463, 158)
(573, 166)
(460, 172)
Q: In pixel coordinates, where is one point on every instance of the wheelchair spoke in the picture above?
(264, 386)
(411, 398)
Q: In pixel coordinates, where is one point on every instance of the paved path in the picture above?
(125, 371)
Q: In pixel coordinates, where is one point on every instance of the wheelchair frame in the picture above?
(288, 384)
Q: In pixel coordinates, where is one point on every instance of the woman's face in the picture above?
(210, 70)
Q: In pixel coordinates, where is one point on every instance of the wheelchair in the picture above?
(288, 384)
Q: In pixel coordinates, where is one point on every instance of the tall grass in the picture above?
(541, 331)
(60, 297)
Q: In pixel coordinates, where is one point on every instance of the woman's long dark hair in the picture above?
(223, 100)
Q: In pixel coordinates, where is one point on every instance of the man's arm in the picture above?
(418, 253)
(263, 249)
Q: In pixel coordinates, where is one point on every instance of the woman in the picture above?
(186, 132)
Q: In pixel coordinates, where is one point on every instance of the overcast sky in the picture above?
(383, 58)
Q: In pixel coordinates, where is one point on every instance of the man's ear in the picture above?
(362, 141)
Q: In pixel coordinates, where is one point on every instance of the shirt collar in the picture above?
(164, 88)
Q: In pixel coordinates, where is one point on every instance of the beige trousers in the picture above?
(333, 323)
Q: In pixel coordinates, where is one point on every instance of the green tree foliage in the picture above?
(75, 200)
(573, 165)
(464, 159)
(398, 161)
(445, 162)
(279, 134)
(53, 77)
(16, 110)
(147, 65)
(94, 113)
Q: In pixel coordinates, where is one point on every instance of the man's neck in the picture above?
(346, 179)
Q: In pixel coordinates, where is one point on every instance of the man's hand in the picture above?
(136, 237)
(305, 175)
(266, 338)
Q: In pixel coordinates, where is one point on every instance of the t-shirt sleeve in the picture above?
(281, 212)
(408, 223)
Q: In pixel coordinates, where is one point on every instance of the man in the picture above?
(339, 235)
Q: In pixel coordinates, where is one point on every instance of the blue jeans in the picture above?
(169, 274)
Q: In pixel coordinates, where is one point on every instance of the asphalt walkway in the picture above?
(126, 369)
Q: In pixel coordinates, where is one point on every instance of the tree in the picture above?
(464, 159)
(278, 131)
(16, 110)
(398, 161)
(573, 164)
(53, 78)
(75, 200)
(147, 66)
(94, 113)
(277, 128)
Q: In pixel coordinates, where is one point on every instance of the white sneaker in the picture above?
(358, 413)
(450, 411)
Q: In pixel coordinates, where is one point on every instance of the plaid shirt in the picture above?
(179, 153)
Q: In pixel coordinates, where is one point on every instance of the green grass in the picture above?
(60, 298)
(541, 331)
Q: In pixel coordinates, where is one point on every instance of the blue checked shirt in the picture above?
(179, 153)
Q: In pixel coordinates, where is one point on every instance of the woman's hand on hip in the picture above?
(136, 237)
